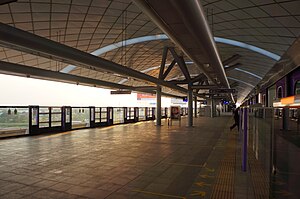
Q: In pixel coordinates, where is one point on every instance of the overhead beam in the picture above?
(3, 2)
(169, 69)
(229, 68)
(14, 38)
(21, 70)
(234, 84)
(193, 18)
(163, 63)
(18, 69)
(179, 81)
(181, 64)
(145, 88)
(204, 87)
(198, 78)
(231, 59)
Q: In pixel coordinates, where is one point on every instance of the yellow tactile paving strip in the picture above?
(224, 186)
(258, 177)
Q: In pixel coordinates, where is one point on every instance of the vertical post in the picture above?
(158, 106)
(92, 116)
(195, 106)
(125, 109)
(245, 139)
(285, 118)
(212, 108)
(190, 106)
(50, 116)
(33, 120)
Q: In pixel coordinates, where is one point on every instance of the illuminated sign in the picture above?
(141, 96)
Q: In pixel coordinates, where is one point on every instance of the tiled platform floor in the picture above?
(125, 161)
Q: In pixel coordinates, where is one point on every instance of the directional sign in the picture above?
(222, 90)
(120, 92)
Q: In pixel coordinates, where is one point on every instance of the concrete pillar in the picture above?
(158, 106)
(190, 107)
(195, 106)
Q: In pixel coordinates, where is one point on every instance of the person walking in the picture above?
(236, 119)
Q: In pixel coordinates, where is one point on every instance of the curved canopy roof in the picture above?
(90, 25)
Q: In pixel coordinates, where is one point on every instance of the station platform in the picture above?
(138, 160)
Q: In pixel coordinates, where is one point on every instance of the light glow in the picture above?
(248, 47)
(238, 80)
(287, 100)
(249, 73)
(136, 40)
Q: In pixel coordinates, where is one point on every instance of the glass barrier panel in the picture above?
(44, 117)
(68, 114)
(130, 113)
(163, 111)
(149, 114)
(80, 117)
(55, 117)
(287, 153)
(103, 114)
(142, 114)
(260, 143)
(34, 119)
(97, 114)
(92, 114)
(14, 121)
(118, 115)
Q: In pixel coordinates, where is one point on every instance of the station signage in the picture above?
(222, 90)
(142, 96)
(120, 92)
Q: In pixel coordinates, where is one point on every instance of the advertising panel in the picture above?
(175, 112)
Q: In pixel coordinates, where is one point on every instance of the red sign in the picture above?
(141, 96)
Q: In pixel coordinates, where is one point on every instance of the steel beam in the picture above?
(234, 84)
(179, 81)
(14, 38)
(229, 68)
(231, 59)
(193, 17)
(198, 78)
(3, 2)
(163, 63)
(17, 69)
(181, 64)
(169, 69)
(204, 87)
(21, 70)
(145, 88)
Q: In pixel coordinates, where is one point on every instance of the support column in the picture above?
(195, 106)
(190, 106)
(158, 106)
(212, 108)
